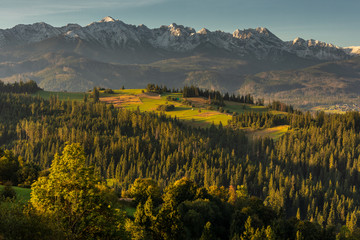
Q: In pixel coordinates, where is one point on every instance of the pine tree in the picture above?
(96, 95)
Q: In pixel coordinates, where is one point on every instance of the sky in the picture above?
(331, 21)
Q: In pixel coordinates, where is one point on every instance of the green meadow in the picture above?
(197, 116)
(274, 132)
(200, 114)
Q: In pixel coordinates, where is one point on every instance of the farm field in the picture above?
(274, 132)
(195, 111)
(199, 114)
(196, 115)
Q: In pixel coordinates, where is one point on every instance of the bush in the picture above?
(109, 90)
(165, 107)
(174, 99)
(7, 192)
(18, 222)
(187, 102)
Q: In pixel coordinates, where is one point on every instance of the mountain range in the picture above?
(110, 53)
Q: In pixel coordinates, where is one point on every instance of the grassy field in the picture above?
(199, 114)
(130, 211)
(274, 132)
(241, 107)
(196, 116)
(22, 194)
(137, 98)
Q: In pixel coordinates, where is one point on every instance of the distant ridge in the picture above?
(111, 33)
(111, 53)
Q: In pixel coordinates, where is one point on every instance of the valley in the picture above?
(250, 61)
(110, 130)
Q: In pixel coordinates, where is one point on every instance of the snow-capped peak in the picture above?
(111, 33)
(308, 43)
(263, 30)
(203, 31)
(108, 19)
(316, 49)
(298, 41)
(174, 25)
(353, 50)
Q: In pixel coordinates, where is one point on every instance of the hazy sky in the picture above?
(331, 21)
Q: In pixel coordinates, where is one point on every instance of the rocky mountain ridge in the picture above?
(112, 54)
(115, 34)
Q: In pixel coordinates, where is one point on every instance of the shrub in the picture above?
(18, 222)
(109, 90)
(7, 192)
(187, 102)
(165, 107)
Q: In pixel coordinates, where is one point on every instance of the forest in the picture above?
(209, 183)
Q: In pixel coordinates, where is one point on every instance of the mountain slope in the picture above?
(111, 53)
(64, 71)
(326, 83)
(112, 34)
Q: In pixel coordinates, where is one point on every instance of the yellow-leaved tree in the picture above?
(74, 198)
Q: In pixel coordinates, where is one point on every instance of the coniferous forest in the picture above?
(185, 182)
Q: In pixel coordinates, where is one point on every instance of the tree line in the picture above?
(21, 87)
(215, 97)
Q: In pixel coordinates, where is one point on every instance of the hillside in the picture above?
(111, 53)
(193, 111)
(323, 84)
(73, 72)
(179, 169)
(196, 110)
